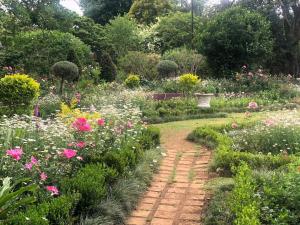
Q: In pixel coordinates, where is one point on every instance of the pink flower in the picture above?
(34, 161)
(79, 158)
(82, 125)
(43, 176)
(70, 144)
(28, 166)
(69, 153)
(80, 144)
(253, 105)
(234, 125)
(15, 153)
(53, 190)
(269, 122)
(101, 122)
(129, 125)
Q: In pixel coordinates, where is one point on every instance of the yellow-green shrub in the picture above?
(17, 93)
(188, 81)
(132, 81)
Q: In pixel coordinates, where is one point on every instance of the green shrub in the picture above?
(57, 211)
(233, 38)
(108, 68)
(188, 61)
(132, 81)
(167, 68)
(243, 202)
(39, 50)
(226, 158)
(140, 63)
(90, 182)
(65, 70)
(150, 138)
(17, 93)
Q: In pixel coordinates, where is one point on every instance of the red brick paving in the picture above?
(176, 195)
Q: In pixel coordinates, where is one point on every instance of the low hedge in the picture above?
(225, 157)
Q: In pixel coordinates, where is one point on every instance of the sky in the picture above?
(73, 5)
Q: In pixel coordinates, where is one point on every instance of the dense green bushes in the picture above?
(245, 38)
(37, 51)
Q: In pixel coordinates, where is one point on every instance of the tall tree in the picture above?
(147, 11)
(102, 11)
(284, 16)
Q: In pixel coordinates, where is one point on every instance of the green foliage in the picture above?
(150, 138)
(243, 203)
(280, 199)
(188, 61)
(125, 193)
(275, 139)
(132, 81)
(234, 38)
(140, 63)
(147, 11)
(37, 51)
(102, 11)
(17, 93)
(123, 33)
(13, 197)
(167, 68)
(90, 182)
(108, 68)
(56, 211)
(226, 157)
(175, 31)
(65, 70)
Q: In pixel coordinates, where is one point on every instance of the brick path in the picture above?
(176, 195)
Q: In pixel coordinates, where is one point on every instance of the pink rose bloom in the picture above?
(69, 153)
(43, 176)
(28, 166)
(234, 125)
(80, 144)
(82, 125)
(34, 161)
(101, 122)
(129, 125)
(53, 190)
(15, 153)
(253, 105)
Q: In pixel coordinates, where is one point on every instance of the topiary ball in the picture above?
(167, 68)
(65, 70)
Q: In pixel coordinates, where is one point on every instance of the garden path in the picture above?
(177, 194)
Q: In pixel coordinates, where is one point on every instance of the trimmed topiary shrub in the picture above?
(17, 93)
(108, 68)
(66, 71)
(167, 68)
(133, 81)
